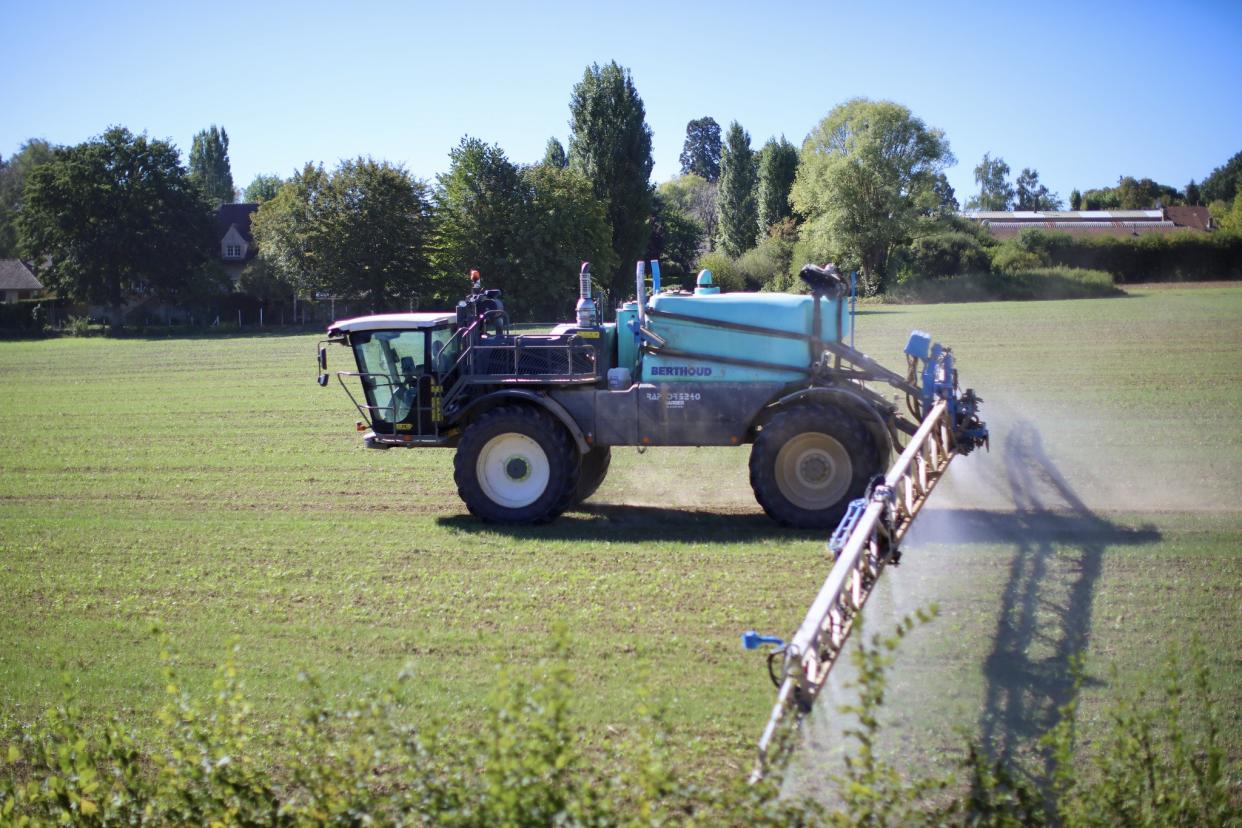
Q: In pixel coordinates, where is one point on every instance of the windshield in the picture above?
(391, 363)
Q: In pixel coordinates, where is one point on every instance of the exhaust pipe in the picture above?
(586, 305)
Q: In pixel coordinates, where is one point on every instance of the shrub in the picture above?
(1170, 257)
(766, 262)
(724, 270)
(1035, 283)
(525, 765)
(943, 254)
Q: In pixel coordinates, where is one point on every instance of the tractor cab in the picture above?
(403, 360)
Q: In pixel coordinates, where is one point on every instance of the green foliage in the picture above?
(1131, 194)
(943, 197)
(778, 166)
(694, 197)
(261, 279)
(1231, 221)
(724, 271)
(1031, 195)
(77, 326)
(118, 216)
(1159, 764)
(1035, 283)
(700, 154)
(263, 188)
(554, 155)
(1223, 183)
(735, 198)
(875, 792)
(209, 165)
(995, 191)
(13, 175)
(1194, 197)
(767, 264)
(361, 231)
(562, 225)
(1165, 257)
(527, 231)
(676, 238)
(1075, 200)
(944, 254)
(610, 144)
(1030, 249)
(862, 174)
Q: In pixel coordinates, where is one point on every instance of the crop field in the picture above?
(208, 485)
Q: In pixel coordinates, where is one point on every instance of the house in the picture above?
(236, 244)
(17, 281)
(1007, 224)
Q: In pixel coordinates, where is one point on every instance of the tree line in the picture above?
(118, 216)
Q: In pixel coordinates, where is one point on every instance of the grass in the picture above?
(208, 484)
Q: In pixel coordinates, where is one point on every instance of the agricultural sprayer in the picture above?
(534, 417)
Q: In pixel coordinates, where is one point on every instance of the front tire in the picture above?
(809, 462)
(515, 464)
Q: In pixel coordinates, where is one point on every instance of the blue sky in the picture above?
(1084, 92)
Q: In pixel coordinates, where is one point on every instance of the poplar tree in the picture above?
(778, 164)
(610, 144)
(735, 198)
(209, 165)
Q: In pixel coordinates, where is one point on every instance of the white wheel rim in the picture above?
(513, 470)
(813, 471)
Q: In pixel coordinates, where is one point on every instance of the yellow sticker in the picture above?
(404, 426)
(589, 334)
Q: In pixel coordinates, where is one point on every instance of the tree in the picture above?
(1193, 197)
(943, 198)
(995, 191)
(562, 225)
(676, 237)
(263, 188)
(735, 198)
(1222, 184)
(610, 144)
(778, 164)
(1075, 200)
(363, 230)
(478, 204)
(526, 230)
(1031, 195)
(694, 197)
(554, 155)
(862, 173)
(118, 216)
(209, 165)
(13, 175)
(1231, 220)
(700, 154)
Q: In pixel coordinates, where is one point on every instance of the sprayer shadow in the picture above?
(1045, 615)
(644, 524)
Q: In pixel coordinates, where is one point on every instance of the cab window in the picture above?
(392, 362)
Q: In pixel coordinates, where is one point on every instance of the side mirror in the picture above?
(323, 366)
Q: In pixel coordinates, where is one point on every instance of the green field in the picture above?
(210, 485)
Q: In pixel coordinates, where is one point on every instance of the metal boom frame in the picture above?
(869, 545)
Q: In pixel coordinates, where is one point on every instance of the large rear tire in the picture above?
(595, 465)
(515, 464)
(809, 462)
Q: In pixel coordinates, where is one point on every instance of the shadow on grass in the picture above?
(644, 524)
(1046, 610)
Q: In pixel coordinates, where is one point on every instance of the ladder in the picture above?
(866, 541)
